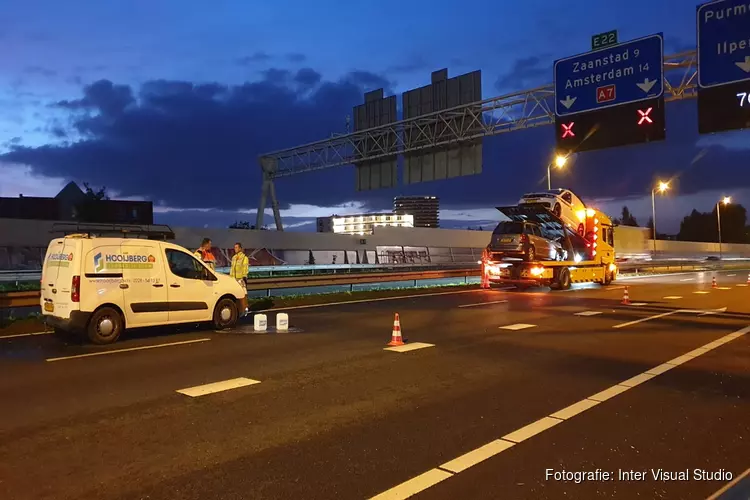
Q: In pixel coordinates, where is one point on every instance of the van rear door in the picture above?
(61, 264)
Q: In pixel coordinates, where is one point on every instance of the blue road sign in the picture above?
(723, 42)
(616, 75)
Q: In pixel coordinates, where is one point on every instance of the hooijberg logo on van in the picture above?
(59, 259)
(119, 261)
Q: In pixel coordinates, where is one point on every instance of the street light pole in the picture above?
(549, 179)
(718, 219)
(559, 163)
(653, 217)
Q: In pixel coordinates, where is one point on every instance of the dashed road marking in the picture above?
(214, 387)
(688, 279)
(701, 292)
(649, 318)
(587, 313)
(129, 349)
(16, 335)
(723, 288)
(517, 326)
(742, 284)
(730, 275)
(672, 297)
(484, 303)
(507, 442)
(639, 304)
(413, 346)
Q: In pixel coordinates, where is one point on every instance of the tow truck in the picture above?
(589, 253)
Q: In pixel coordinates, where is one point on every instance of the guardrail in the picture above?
(413, 278)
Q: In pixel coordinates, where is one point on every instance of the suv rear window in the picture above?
(508, 227)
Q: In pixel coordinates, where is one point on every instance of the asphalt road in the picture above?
(475, 415)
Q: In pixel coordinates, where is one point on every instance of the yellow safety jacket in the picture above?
(240, 266)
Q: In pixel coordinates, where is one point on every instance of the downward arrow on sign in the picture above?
(646, 85)
(744, 66)
(568, 102)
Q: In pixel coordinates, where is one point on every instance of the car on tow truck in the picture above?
(525, 240)
(561, 202)
(590, 256)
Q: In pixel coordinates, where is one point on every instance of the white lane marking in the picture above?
(413, 346)
(729, 485)
(672, 297)
(129, 349)
(379, 299)
(587, 313)
(637, 380)
(702, 292)
(532, 429)
(742, 284)
(649, 318)
(723, 288)
(730, 275)
(16, 335)
(688, 279)
(484, 303)
(481, 454)
(224, 385)
(433, 476)
(638, 304)
(414, 485)
(574, 409)
(517, 326)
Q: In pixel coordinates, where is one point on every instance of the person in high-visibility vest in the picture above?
(205, 255)
(240, 265)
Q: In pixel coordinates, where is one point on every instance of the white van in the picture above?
(101, 286)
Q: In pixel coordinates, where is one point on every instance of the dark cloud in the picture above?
(371, 81)
(307, 77)
(277, 76)
(257, 57)
(296, 57)
(38, 70)
(526, 72)
(192, 145)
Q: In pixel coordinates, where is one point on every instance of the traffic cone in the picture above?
(396, 338)
(485, 284)
(625, 297)
(713, 282)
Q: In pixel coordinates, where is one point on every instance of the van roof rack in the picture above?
(92, 230)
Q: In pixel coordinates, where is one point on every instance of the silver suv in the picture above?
(524, 240)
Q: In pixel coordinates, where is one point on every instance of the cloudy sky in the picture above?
(173, 102)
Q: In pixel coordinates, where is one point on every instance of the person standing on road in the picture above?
(205, 255)
(240, 265)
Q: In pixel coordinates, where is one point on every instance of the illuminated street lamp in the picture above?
(661, 187)
(560, 161)
(726, 201)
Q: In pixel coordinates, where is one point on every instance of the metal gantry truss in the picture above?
(520, 110)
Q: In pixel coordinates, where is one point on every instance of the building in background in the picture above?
(425, 209)
(362, 223)
(71, 204)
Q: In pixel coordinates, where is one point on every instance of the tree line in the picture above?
(702, 226)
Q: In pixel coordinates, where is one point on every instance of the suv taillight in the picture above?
(524, 238)
(75, 289)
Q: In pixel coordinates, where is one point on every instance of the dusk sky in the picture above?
(173, 102)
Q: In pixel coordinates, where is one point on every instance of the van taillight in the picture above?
(75, 289)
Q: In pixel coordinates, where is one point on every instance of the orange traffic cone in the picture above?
(625, 297)
(396, 338)
(713, 282)
(485, 284)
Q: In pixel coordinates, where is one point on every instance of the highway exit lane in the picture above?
(366, 413)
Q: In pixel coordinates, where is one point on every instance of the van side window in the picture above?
(184, 265)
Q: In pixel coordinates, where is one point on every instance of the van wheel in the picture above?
(225, 314)
(105, 326)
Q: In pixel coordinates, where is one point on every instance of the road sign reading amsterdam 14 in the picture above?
(723, 42)
(616, 75)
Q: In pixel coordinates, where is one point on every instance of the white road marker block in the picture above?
(224, 385)
(412, 346)
(517, 326)
(282, 322)
(587, 313)
(260, 322)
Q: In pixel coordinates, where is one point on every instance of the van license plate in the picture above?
(49, 307)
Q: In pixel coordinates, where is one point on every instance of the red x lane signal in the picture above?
(568, 130)
(644, 116)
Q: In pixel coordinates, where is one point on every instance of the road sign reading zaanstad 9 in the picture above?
(619, 74)
(610, 97)
(723, 65)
